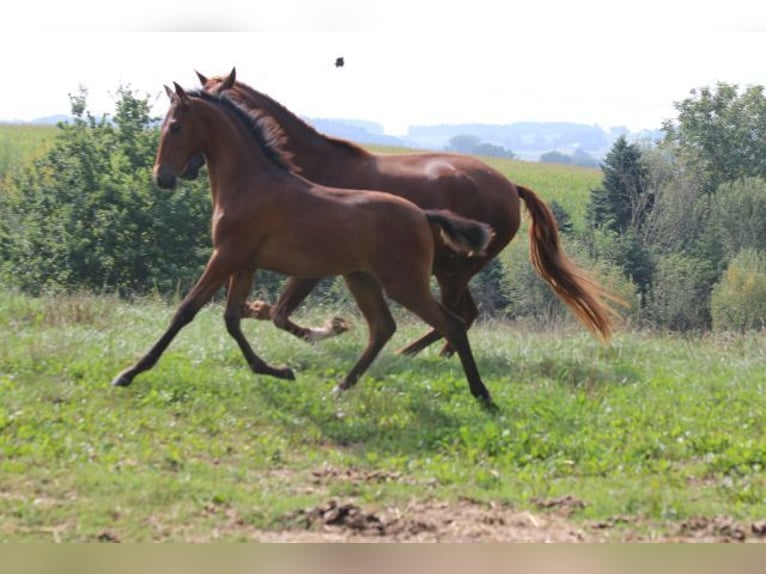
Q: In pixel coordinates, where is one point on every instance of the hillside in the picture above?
(19, 142)
(527, 140)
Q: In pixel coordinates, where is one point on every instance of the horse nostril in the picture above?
(165, 181)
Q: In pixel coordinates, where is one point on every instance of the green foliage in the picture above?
(721, 133)
(738, 301)
(625, 200)
(737, 216)
(617, 212)
(86, 215)
(680, 296)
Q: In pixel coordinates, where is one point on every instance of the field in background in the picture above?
(21, 143)
(650, 437)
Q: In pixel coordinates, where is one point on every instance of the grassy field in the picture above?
(20, 143)
(650, 437)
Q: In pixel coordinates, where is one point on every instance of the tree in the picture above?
(625, 200)
(86, 214)
(720, 133)
(465, 143)
(620, 209)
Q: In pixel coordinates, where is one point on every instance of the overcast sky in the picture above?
(407, 61)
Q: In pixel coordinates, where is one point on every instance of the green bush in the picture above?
(737, 216)
(86, 214)
(738, 301)
(680, 296)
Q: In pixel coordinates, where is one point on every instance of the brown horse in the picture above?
(462, 184)
(266, 216)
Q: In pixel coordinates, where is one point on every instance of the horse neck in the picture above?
(313, 153)
(231, 152)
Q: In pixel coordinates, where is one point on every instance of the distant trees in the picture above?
(473, 145)
(578, 157)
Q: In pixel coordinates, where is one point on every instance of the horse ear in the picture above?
(169, 92)
(228, 81)
(202, 79)
(180, 92)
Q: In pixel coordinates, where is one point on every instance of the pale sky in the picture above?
(407, 61)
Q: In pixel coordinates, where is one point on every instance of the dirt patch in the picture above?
(472, 521)
(462, 521)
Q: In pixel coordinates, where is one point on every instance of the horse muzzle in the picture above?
(165, 181)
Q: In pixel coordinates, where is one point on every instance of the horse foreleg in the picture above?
(212, 279)
(239, 287)
(369, 297)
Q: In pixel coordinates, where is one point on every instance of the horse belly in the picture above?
(313, 256)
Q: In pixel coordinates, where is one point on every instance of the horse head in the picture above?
(179, 153)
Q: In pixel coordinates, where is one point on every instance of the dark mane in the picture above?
(341, 143)
(266, 132)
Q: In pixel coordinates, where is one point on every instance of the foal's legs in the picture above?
(369, 297)
(456, 296)
(419, 300)
(239, 287)
(214, 276)
(296, 291)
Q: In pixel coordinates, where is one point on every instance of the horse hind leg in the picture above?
(469, 312)
(381, 326)
(239, 287)
(421, 302)
(457, 298)
(295, 292)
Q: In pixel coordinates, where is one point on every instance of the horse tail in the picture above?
(571, 284)
(460, 233)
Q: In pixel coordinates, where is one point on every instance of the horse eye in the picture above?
(174, 127)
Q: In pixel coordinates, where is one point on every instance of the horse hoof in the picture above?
(339, 389)
(489, 405)
(285, 373)
(447, 351)
(338, 325)
(121, 380)
(259, 310)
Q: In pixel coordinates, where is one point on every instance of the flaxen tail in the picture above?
(459, 233)
(586, 298)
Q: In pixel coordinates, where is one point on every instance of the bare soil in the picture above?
(473, 521)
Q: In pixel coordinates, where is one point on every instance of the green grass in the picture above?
(20, 143)
(658, 427)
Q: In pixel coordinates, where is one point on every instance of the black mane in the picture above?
(267, 133)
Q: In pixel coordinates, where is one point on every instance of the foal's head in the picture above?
(180, 149)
